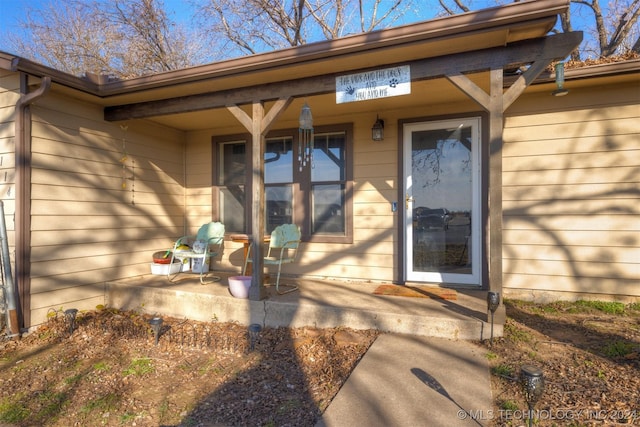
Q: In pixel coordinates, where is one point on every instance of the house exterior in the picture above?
(482, 180)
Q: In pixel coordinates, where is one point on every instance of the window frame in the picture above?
(301, 185)
(217, 141)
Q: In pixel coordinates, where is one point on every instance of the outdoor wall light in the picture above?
(70, 315)
(532, 382)
(156, 326)
(493, 301)
(377, 131)
(254, 335)
(560, 91)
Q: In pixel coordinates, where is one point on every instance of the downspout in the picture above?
(22, 213)
(9, 288)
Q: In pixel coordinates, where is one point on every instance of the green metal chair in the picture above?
(207, 243)
(283, 249)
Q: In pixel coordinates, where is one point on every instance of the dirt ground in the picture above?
(589, 354)
(110, 372)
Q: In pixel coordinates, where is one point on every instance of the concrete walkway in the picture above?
(412, 381)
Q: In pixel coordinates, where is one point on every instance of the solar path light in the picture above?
(70, 315)
(532, 382)
(156, 326)
(493, 301)
(254, 335)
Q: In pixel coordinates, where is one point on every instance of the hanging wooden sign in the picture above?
(373, 84)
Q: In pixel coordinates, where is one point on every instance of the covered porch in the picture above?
(454, 314)
(149, 161)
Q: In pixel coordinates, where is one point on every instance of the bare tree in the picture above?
(617, 31)
(122, 38)
(609, 32)
(448, 9)
(252, 26)
(153, 43)
(70, 37)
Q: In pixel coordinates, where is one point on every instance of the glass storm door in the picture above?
(442, 201)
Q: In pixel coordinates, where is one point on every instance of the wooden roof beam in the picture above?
(513, 55)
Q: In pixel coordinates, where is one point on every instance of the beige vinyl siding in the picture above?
(87, 228)
(571, 195)
(374, 252)
(9, 95)
(198, 182)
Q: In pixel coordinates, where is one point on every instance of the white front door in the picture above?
(442, 220)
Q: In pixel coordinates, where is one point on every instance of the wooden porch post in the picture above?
(495, 103)
(258, 124)
(257, 293)
(496, 124)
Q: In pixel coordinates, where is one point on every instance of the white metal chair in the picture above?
(208, 243)
(283, 249)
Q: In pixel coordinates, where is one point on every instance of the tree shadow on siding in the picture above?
(569, 205)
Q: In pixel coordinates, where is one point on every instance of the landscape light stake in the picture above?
(493, 301)
(156, 325)
(254, 335)
(70, 315)
(532, 382)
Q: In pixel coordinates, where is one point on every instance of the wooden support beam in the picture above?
(524, 80)
(258, 124)
(472, 90)
(244, 119)
(495, 103)
(494, 231)
(257, 291)
(276, 110)
(556, 47)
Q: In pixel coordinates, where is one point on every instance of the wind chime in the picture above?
(305, 137)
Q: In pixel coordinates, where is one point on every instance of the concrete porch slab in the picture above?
(317, 303)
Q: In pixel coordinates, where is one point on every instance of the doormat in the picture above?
(416, 292)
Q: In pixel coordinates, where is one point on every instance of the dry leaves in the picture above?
(589, 360)
(110, 372)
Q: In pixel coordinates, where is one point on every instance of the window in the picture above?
(231, 181)
(278, 180)
(314, 197)
(328, 174)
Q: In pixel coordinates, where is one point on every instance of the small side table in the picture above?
(246, 241)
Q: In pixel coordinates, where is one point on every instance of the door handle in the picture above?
(407, 200)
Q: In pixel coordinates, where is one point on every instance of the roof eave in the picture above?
(451, 26)
(594, 71)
